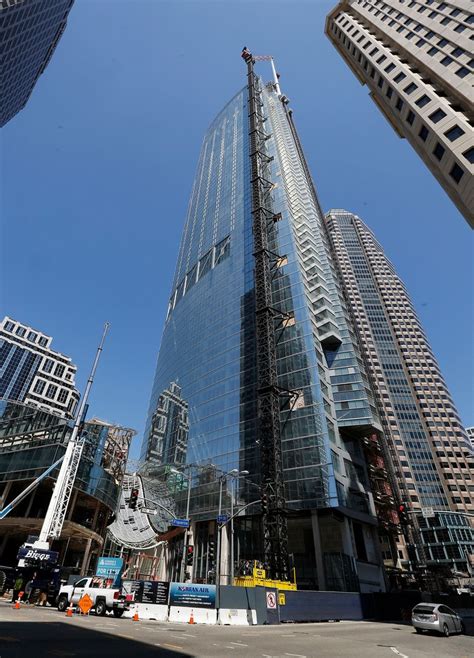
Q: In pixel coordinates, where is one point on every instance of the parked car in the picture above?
(105, 599)
(436, 617)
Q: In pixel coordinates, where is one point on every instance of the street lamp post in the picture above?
(219, 528)
(234, 474)
(186, 532)
(235, 477)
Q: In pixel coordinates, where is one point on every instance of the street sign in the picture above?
(110, 568)
(193, 595)
(281, 598)
(271, 601)
(222, 518)
(85, 603)
(428, 512)
(180, 523)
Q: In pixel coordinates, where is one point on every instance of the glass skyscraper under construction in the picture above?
(211, 354)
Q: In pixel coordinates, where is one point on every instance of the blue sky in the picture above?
(98, 167)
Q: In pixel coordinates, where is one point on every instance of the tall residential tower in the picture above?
(433, 461)
(416, 57)
(259, 341)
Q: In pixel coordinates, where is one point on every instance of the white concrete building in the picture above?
(33, 373)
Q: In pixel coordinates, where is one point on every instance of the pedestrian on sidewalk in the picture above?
(17, 587)
(29, 588)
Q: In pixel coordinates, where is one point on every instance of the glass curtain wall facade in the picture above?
(29, 33)
(429, 447)
(33, 373)
(208, 350)
(32, 439)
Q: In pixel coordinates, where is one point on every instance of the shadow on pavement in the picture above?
(468, 625)
(46, 640)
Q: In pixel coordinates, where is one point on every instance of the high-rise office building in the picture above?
(33, 373)
(433, 461)
(219, 338)
(29, 33)
(416, 57)
(168, 436)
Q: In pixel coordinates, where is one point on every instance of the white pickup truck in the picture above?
(105, 599)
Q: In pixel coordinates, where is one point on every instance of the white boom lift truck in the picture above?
(57, 508)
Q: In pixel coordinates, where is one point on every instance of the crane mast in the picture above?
(57, 508)
(274, 515)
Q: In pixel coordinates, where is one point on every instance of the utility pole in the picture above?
(56, 513)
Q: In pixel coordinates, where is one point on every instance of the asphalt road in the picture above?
(46, 633)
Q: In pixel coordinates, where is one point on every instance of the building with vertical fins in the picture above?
(260, 341)
(430, 450)
(33, 373)
(416, 58)
(29, 33)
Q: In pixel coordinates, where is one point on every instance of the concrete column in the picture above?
(3, 544)
(162, 572)
(318, 551)
(30, 504)
(85, 560)
(94, 520)
(72, 504)
(5, 492)
(346, 537)
(225, 555)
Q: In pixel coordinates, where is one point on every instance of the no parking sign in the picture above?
(271, 601)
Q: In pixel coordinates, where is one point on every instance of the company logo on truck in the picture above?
(37, 555)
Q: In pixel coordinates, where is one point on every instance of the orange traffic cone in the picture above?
(16, 606)
(135, 617)
(69, 610)
(191, 619)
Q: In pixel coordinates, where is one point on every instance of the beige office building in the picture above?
(430, 451)
(416, 57)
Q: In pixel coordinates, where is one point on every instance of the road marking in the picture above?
(300, 655)
(60, 652)
(239, 644)
(172, 646)
(395, 650)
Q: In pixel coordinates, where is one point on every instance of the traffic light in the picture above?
(133, 500)
(190, 556)
(264, 504)
(212, 552)
(403, 514)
